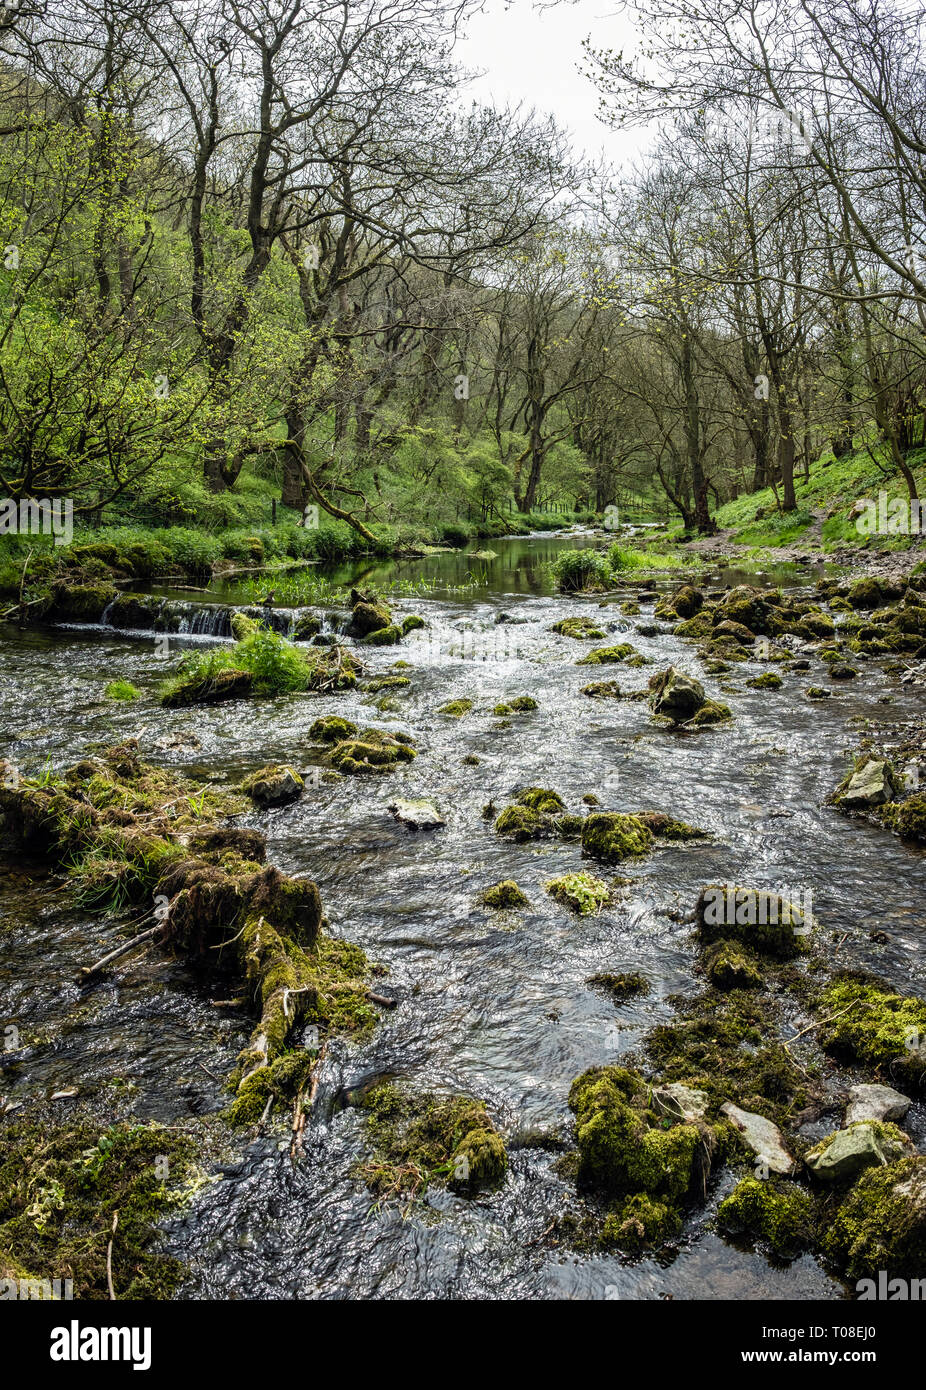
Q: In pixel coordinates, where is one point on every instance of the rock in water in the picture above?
(274, 786)
(676, 696)
(873, 1102)
(760, 1135)
(848, 1152)
(871, 784)
(420, 815)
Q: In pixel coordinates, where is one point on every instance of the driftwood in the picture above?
(120, 951)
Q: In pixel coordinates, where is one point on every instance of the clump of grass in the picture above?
(278, 666)
(575, 570)
(122, 690)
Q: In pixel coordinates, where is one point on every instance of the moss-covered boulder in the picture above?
(675, 696)
(210, 689)
(872, 782)
(371, 751)
(608, 656)
(581, 629)
(906, 818)
(456, 708)
(711, 712)
(778, 1214)
(274, 786)
(728, 966)
(388, 636)
(506, 894)
(685, 602)
(762, 920)
(869, 1023)
(581, 892)
(610, 835)
(626, 1147)
(881, 1225)
(331, 728)
(841, 1157)
(769, 680)
(368, 617)
(620, 986)
(602, 690)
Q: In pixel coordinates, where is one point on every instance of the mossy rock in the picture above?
(619, 986)
(581, 892)
(229, 684)
(331, 728)
(425, 1140)
(412, 623)
(640, 1222)
(611, 835)
(711, 712)
(388, 636)
(456, 708)
(367, 617)
(372, 751)
(782, 1216)
(764, 921)
(881, 1225)
(274, 786)
(386, 683)
(581, 629)
(625, 1147)
(542, 799)
(81, 603)
(728, 966)
(307, 627)
(506, 894)
(602, 690)
(906, 818)
(666, 827)
(608, 656)
(875, 1027)
(519, 823)
(767, 681)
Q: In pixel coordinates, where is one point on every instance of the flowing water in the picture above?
(492, 1004)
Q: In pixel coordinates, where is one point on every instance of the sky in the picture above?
(533, 56)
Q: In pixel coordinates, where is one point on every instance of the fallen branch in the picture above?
(120, 951)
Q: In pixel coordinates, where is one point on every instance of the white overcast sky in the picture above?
(533, 56)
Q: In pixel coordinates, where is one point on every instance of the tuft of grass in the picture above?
(122, 690)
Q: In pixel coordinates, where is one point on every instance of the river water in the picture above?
(491, 1004)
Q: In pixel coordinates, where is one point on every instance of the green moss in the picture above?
(582, 629)
(542, 799)
(761, 920)
(640, 1222)
(874, 1026)
(384, 637)
(523, 704)
(371, 752)
(906, 818)
(504, 894)
(519, 823)
(711, 712)
(881, 1225)
(728, 966)
(386, 683)
(422, 1140)
(581, 892)
(61, 1187)
(767, 681)
(607, 656)
(611, 835)
(623, 1146)
(456, 708)
(781, 1216)
(725, 1045)
(412, 623)
(620, 987)
(602, 690)
(332, 729)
